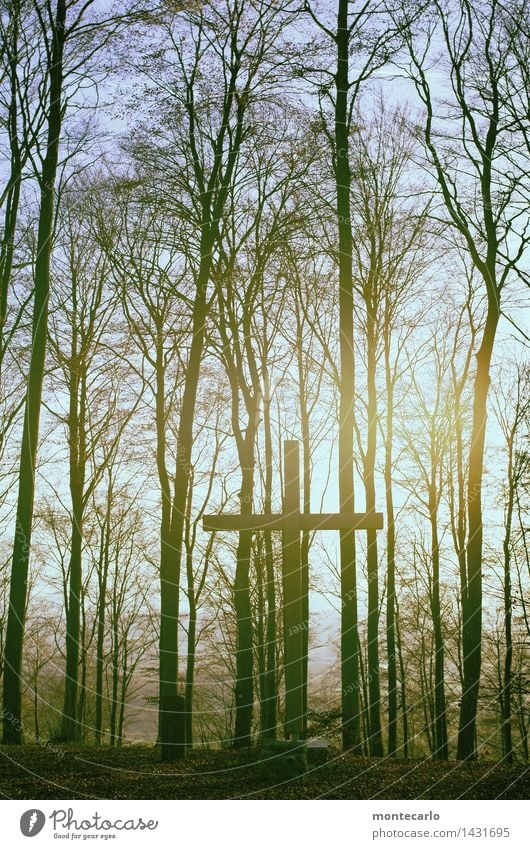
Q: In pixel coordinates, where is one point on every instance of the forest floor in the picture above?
(135, 772)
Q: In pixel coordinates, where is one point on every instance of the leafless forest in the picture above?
(230, 223)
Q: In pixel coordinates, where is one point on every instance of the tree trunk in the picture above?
(271, 703)
(507, 746)
(349, 623)
(364, 705)
(374, 690)
(163, 479)
(171, 553)
(81, 704)
(472, 611)
(306, 507)
(15, 176)
(69, 728)
(192, 632)
(404, 708)
(123, 694)
(244, 688)
(12, 693)
(36, 705)
(426, 701)
(190, 674)
(102, 599)
(441, 746)
(115, 678)
(261, 647)
(390, 558)
(460, 525)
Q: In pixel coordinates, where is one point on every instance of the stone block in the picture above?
(283, 760)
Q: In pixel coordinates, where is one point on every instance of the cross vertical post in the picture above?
(292, 593)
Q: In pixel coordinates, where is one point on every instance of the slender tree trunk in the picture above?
(349, 622)
(36, 705)
(165, 489)
(69, 729)
(261, 648)
(374, 689)
(364, 705)
(123, 694)
(404, 707)
(472, 612)
(507, 745)
(244, 688)
(426, 701)
(102, 599)
(83, 650)
(524, 725)
(271, 703)
(12, 691)
(460, 536)
(77, 461)
(441, 746)
(192, 631)
(306, 498)
(190, 674)
(390, 557)
(115, 679)
(171, 553)
(13, 193)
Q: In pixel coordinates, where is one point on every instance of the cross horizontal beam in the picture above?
(305, 521)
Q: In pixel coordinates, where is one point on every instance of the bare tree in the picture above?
(428, 446)
(236, 44)
(55, 33)
(374, 34)
(71, 34)
(80, 326)
(151, 272)
(512, 411)
(245, 271)
(485, 202)
(210, 435)
(388, 260)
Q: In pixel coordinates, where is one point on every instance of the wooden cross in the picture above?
(291, 522)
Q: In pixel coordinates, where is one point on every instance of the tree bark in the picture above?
(77, 460)
(192, 629)
(102, 600)
(261, 646)
(403, 685)
(374, 688)
(115, 671)
(390, 557)
(349, 622)
(271, 704)
(244, 688)
(12, 691)
(441, 746)
(83, 652)
(507, 745)
(15, 176)
(306, 507)
(472, 611)
(171, 546)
